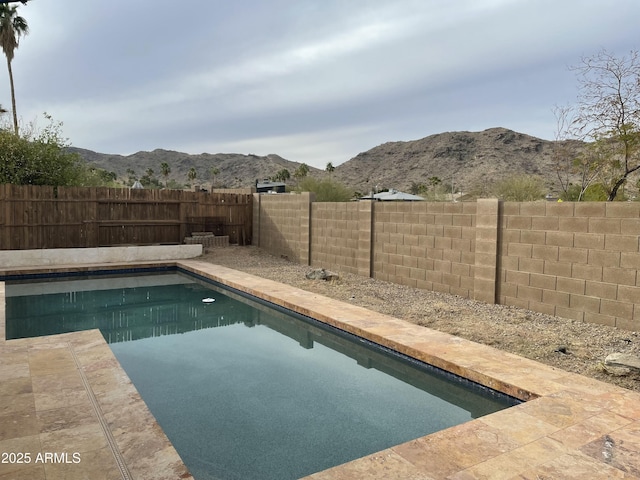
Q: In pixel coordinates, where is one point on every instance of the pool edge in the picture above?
(77, 371)
(565, 422)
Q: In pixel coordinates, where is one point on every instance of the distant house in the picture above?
(267, 186)
(392, 195)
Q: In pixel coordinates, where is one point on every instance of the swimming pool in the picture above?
(230, 381)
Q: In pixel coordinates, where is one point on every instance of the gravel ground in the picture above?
(567, 344)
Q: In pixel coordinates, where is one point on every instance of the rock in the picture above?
(623, 360)
(616, 371)
(321, 274)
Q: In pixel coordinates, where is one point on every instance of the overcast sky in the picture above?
(313, 81)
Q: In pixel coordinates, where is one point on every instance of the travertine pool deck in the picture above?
(68, 394)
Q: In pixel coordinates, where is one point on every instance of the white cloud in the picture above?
(315, 148)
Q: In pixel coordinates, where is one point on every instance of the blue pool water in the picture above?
(243, 390)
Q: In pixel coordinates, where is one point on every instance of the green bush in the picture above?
(519, 188)
(38, 157)
(98, 177)
(593, 193)
(326, 189)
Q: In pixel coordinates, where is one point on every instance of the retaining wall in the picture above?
(75, 256)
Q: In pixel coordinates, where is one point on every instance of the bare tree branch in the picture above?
(608, 114)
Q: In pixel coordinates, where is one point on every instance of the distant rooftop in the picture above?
(393, 195)
(269, 186)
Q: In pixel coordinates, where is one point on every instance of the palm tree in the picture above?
(282, 176)
(12, 27)
(330, 168)
(214, 171)
(166, 170)
(301, 171)
(192, 174)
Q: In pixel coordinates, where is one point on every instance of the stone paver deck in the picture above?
(67, 394)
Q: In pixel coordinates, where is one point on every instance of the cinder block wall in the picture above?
(282, 224)
(485, 279)
(341, 236)
(573, 260)
(425, 245)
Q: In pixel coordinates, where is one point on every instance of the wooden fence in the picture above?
(33, 217)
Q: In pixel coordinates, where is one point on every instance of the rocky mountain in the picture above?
(236, 170)
(466, 159)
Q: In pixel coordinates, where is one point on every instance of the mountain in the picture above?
(466, 159)
(236, 170)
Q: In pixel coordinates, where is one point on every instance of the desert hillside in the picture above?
(466, 159)
(235, 170)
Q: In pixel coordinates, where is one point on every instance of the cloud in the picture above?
(290, 76)
(315, 148)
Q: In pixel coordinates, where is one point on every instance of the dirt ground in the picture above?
(567, 344)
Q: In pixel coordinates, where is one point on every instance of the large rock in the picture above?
(623, 360)
(322, 274)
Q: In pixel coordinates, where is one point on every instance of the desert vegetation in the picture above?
(326, 189)
(606, 117)
(37, 156)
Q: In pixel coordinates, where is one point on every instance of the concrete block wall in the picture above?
(341, 237)
(573, 260)
(486, 252)
(282, 223)
(426, 245)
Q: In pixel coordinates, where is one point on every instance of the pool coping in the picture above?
(570, 426)
(68, 395)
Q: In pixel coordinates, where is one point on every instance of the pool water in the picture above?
(243, 390)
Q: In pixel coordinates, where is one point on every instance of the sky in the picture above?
(312, 81)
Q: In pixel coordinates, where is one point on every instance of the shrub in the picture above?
(519, 188)
(38, 157)
(326, 189)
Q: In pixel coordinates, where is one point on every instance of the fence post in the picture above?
(486, 254)
(255, 236)
(184, 204)
(364, 254)
(92, 237)
(305, 227)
